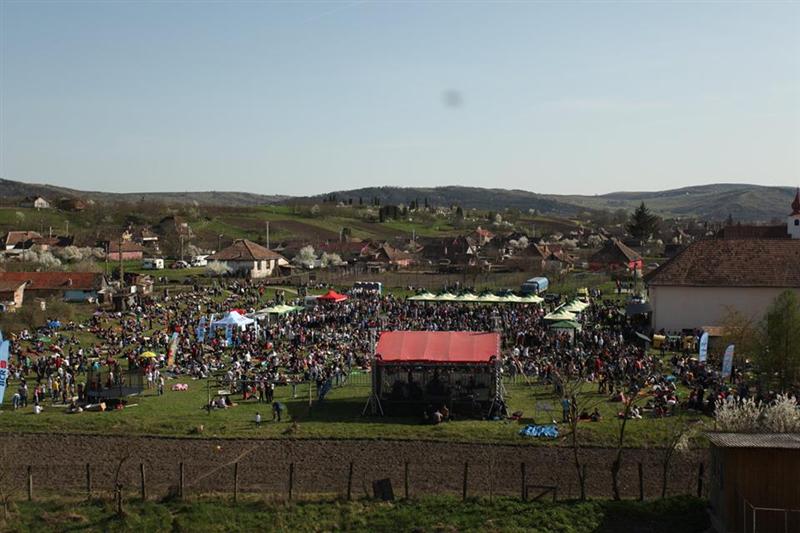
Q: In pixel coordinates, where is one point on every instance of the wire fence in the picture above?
(285, 479)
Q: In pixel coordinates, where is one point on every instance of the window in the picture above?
(797, 222)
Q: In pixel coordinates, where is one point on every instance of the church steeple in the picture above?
(793, 220)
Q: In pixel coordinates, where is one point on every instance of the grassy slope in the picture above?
(675, 515)
(339, 416)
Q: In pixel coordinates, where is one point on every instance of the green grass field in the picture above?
(337, 417)
(674, 515)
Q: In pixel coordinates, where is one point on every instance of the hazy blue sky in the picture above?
(312, 97)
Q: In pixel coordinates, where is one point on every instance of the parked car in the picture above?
(180, 264)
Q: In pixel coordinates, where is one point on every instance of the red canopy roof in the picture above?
(438, 346)
(332, 296)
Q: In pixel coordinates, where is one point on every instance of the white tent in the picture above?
(232, 319)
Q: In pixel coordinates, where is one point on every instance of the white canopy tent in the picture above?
(232, 319)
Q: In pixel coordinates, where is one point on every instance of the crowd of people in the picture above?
(161, 337)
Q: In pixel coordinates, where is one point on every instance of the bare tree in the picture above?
(579, 401)
(677, 442)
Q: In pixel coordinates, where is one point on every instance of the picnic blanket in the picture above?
(549, 432)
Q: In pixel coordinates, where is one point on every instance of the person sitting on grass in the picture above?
(596, 416)
(445, 413)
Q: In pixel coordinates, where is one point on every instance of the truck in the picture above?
(535, 286)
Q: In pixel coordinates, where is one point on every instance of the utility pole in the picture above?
(121, 266)
(219, 242)
(181, 246)
(267, 227)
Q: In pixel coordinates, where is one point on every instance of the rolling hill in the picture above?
(18, 189)
(746, 203)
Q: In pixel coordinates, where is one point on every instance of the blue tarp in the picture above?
(548, 432)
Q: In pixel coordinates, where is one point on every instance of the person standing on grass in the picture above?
(565, 409)
(276, 411)
(258, 419)
(161, 385)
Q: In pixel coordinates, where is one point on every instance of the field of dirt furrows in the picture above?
(58, 463)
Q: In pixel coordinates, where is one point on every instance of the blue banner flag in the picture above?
(703, 347)
(4, 349)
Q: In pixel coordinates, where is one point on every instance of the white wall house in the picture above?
(246, 258)
(696, 287)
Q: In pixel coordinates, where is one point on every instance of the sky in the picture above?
(306, 98)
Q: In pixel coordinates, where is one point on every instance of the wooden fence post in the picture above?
(405, 479)
(350, 482)
(700, 471)
(30, 483)
(180, 480)
(143, 481)
(466, 475)
(291, 480)
(236, 481)
(88, 481)
(641, 482)
(523, 477)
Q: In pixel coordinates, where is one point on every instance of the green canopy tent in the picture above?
(560, 314)
(282, 309)
(424, 297)
(565, 324)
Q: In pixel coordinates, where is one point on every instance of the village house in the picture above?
(246, 258)
(12, 294)
(18, 239)
(71, 286)
(696, 287)
(36, 202)
(123, 251)
(47, 243)
(615, 256)
(386, 257)
(72, 204)
(175, 225)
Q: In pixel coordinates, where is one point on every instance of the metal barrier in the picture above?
(754, 510)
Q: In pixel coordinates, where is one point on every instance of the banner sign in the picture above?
(201, 330)
(5, 347)
(727, 362)
(703, 347)
(173, 348)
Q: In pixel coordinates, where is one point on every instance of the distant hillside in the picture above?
(746, 203)
(466, 197)
(16, 189)
(709, 202)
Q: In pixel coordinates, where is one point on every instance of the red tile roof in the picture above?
(732, 263)
(614, 251)
(754, 232)
(55, 280)
(10, 286)
(16, 237)
(244, 250)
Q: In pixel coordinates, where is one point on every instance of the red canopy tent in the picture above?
(438, 347)
(417, 368)
(332, 296)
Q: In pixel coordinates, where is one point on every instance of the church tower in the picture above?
(793, 221)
